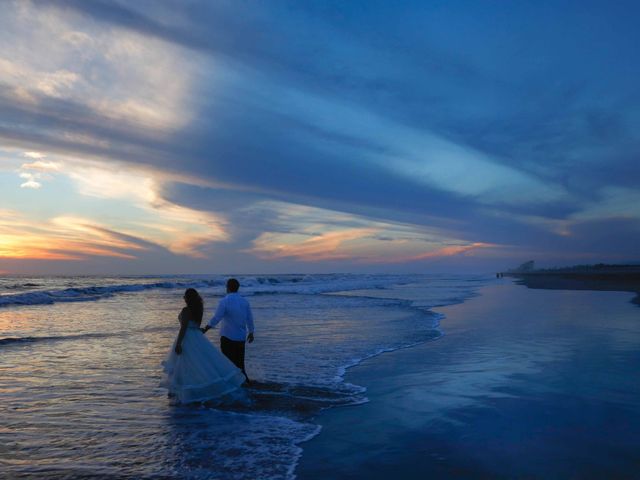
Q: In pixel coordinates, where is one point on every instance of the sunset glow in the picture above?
(167, 141)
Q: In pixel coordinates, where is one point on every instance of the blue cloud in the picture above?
(371, 108)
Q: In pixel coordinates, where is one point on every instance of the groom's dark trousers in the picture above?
(234, 351)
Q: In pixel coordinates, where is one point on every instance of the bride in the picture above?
(195, 370)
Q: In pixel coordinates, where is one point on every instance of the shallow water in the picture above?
(524, 384)
(79, 370)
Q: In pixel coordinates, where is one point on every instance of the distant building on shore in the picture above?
(525, 267)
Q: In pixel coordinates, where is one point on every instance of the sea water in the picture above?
(80, 369)
(525, 383)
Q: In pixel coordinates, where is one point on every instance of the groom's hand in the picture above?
(250, 338)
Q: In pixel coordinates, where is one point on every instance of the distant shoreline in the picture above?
(563, 280)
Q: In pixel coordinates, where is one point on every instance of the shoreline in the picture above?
(606, 282)
(419, 398)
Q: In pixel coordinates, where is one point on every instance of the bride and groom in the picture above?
(195, 370)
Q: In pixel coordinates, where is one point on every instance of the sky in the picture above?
(172, 136)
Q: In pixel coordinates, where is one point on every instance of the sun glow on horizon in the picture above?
(151, 136)
(314, 235)
(149, 222)
(62, 238)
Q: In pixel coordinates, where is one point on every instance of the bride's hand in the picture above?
(178, 349)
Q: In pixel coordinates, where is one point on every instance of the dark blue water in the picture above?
(524, 384)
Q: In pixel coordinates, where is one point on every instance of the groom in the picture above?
(235, 313)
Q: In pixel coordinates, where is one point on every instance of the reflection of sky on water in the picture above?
(87, 400)
(203, 442)
(81, 387)
(563, 342)
(523, 384)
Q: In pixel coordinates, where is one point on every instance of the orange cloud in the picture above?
(185, 231)
(360, 245)
(448, 251)
(312, 235)
(326, 246)
(62, 238)
(151, 218)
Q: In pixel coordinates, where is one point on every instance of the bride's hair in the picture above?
(194, 304)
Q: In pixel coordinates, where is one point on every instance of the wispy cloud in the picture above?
(62, 238)
(116, 73)
(439, 253)
(42, 166)
(37, 171)
(180, 229)
(320, 247)
(34, 155)
(306, 134)
(148, 217)
(316, 235)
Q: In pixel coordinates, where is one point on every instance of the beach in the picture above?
(355, 376)
(80, 372)
(523, 384)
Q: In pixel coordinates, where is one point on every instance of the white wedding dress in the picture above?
(201, 372)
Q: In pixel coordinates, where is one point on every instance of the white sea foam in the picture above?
(91, 289)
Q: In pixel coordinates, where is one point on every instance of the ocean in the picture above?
(80, 369)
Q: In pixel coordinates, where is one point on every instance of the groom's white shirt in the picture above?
(235, 313)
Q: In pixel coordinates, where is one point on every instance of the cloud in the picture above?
(77, 238)
(449, 251)
(114, 72)
(182, 230)
(317, 235)
(35, 155)
(31, 181)
(129, 199)
(325, 246)
(37, 171)
(42, 166)
(382, 142)
(61, 238)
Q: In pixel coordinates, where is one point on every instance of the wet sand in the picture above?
(524, 384)
(579, 281)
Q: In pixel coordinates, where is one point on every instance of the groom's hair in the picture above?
(233, 285)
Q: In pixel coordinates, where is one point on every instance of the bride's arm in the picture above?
(183, 328)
